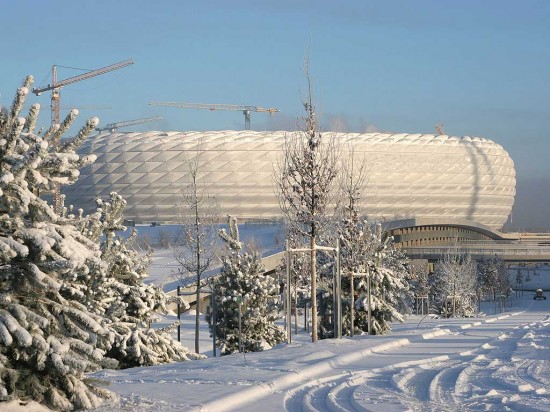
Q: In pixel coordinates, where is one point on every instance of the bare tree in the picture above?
(493, 277)
(198, 235)
(420, 286)
(305, 175)
(455, 281)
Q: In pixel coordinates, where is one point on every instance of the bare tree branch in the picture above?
(305, 177)
(198, 235)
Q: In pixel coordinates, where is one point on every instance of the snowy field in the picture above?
(497, 362)
(164, 267)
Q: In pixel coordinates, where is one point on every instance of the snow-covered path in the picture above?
(494, 363)
(479, 368)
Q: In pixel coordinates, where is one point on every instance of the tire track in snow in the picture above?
(361, 383)
(474, 382)
(339, 398)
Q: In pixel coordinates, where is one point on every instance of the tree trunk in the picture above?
(369, 312)
(198, 239)
(352, 305)
(197, 315)
(313, 246)
(296, 308)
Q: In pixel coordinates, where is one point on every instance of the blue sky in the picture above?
(481, 68)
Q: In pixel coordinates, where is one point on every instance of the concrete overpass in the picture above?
(427, 238)
(508, 252)
(431, 239)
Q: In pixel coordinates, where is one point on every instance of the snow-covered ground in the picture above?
(266, 238)
(497, 362)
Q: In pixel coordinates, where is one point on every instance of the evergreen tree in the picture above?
(365, 254)
(242, 287)
(120, 294)
(47, 341)
(369, 253)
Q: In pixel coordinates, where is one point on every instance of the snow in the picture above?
(425, 363)
(22, 406)
(164, 267)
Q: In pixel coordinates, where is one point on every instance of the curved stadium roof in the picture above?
(409, 175)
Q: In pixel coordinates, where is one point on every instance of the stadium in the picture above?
(409, 175)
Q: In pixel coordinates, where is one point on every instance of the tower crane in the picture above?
(439, 128)
(85, 107)
(55, 86)
(205, 106)
(112, 127)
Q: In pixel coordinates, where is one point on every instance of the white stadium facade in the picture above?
(410, 176)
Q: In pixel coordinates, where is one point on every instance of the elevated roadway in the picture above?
(515, 252)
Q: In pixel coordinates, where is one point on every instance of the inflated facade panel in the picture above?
(409, 175)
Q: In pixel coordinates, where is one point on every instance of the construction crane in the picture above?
(86, 107)
(439, 128)
(55, 86)
(112, 127)
(70, 107)
(245, 109)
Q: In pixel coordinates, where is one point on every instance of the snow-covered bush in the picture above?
(120, 294)
(493, 278)
(242, 284)
(420, 287)
(47, 340)
(454, 283)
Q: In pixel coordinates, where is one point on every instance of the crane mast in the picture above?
(55, 86)
(246, 109)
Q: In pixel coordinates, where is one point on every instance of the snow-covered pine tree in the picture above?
(47, 341)
(355, 245)
(120, 294)
(377, 256)
(241, 283)
(364, 253)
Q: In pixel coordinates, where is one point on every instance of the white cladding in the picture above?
(409, 175)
